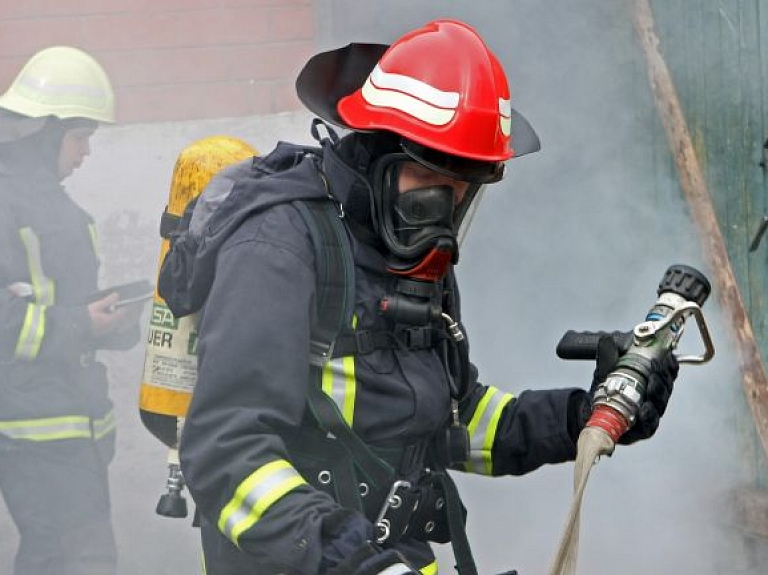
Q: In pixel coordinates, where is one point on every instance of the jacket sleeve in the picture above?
(32, 326)
(251, 393)
(513, 435)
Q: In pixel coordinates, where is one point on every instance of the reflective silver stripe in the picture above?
(32, 333)
(339, 382)
(482, 430)
(396, 569)
(255, 495)
(44, 288)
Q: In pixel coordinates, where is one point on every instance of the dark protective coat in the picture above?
(57, 427)
(257, 279)
(47, 360)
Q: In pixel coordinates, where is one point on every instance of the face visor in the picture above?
(476, 172)
(464, 169)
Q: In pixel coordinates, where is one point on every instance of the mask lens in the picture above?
(421, 212)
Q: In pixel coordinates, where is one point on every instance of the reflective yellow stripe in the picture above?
(430, 569)
(339, 383)
(482, 430)
(43, 287)
(32, 332)
(94, 238)
(257, 493)
(33, 329)
(63, 427)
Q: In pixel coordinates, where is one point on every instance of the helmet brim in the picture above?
(329, 76)
(525, 140)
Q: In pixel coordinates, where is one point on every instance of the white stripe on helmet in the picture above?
(505, 119)
(411, 96)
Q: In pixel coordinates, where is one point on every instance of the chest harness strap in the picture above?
(431, 509)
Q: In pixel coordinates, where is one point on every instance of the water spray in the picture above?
(617, 400)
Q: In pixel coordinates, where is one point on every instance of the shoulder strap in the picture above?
(335, 271)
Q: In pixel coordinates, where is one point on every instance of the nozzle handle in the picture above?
(583, 344)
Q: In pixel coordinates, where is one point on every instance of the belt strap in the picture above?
(382, 475)
(465, 562)
(364, 341)
(376, 470)
(327, 466)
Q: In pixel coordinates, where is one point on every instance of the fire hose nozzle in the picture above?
(618, 399)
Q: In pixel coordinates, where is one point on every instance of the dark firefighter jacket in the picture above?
(251, 392)
(51, 390)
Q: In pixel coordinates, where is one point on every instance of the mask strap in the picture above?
(332, 137)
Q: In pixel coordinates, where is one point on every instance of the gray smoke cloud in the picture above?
(576, 237)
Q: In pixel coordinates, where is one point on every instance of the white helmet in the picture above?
(64, 82)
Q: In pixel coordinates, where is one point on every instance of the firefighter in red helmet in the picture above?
(352, 479)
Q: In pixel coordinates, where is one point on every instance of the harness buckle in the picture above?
(393, 501)
(417, 337)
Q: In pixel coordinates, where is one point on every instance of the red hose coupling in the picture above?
(609, 420)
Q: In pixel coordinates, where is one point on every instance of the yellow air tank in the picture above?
(170, 364)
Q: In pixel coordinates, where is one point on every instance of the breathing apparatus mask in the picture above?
(421, 227)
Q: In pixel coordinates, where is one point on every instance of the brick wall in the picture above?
(173, 59)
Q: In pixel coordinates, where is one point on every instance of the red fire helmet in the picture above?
(441, 87)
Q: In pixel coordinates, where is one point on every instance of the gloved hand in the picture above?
(658, 390)
(370, 559)
(348, 549)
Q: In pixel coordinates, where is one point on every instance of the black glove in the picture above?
(370, 559)
(348, 549)
(658, 389)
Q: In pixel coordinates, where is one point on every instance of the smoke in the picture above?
(576, 237)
